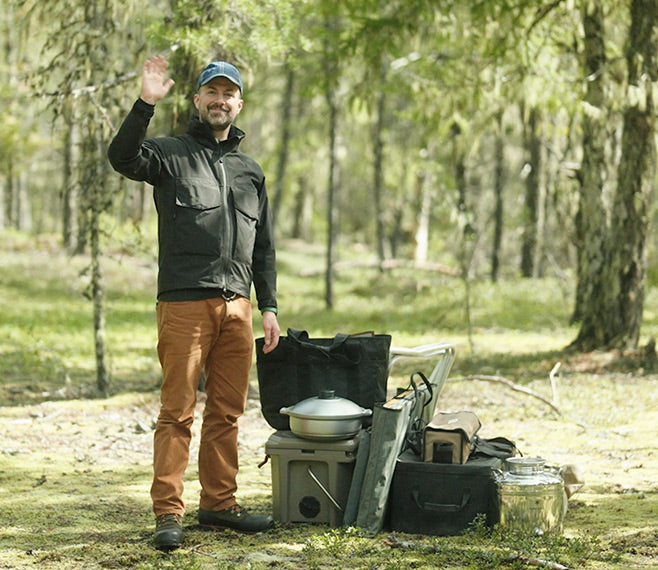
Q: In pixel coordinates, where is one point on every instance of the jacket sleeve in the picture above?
(129, 153)
(264, 257)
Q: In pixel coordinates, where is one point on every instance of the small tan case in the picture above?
(450, 435)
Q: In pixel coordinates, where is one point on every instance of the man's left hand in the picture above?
(272, 331)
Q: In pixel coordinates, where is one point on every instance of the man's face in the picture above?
(219, 102)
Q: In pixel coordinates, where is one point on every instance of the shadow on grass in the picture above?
(32, 377)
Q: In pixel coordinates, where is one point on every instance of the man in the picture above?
(215, 240)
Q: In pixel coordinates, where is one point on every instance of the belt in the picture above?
(227, 295)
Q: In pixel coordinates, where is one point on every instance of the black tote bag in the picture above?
(354, 366)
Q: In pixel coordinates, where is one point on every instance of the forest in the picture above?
(474, 172)
(497, 140)
(501, 139)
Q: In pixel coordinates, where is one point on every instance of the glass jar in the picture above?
(531, 497)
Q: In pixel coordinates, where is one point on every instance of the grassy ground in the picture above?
(75, 467)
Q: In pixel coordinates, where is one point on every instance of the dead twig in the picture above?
(518, 388)
(553, 378)
(197, 549)
(102, 110)
(514, 387)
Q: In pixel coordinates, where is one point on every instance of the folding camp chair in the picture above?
(381, 446)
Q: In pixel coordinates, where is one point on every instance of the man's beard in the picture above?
(217, 121)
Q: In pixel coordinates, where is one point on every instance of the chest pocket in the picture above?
(197, 216)
(197, 193)
(246, 218)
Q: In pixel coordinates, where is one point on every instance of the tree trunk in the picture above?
(332, 26)
(332, 211)
(424, 184)
(613, 321)
(459, 166)
(286, 124)
(67, 186)
(302, 211)
(378, 170)
(2, 205)
(499, 161)
(82, 227)
(467, 234)
(591, 228)
(98, 301)
(532, 196)
(631, 216)
(24, 206)
(9, 195)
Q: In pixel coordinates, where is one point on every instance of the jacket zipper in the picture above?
(225, 253)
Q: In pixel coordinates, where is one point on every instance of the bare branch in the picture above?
(101, 109)
(512, 386)
(553, 378)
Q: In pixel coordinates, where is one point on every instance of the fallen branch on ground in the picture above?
(552, 376)
(197, 550)
(512, 386)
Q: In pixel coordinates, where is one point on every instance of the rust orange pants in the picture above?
(215, 336)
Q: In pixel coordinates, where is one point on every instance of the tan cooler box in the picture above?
(310, 479)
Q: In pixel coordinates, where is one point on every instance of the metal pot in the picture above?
(325, 417)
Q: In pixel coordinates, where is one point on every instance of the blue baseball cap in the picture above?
(220, 69)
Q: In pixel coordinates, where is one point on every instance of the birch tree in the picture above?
(77, 73)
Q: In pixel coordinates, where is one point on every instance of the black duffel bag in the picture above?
(353, 366)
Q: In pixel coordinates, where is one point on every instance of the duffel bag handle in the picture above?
(441, 508)
(302, 339)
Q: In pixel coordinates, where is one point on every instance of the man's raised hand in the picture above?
(155, 84)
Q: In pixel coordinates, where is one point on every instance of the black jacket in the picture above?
(214, 223)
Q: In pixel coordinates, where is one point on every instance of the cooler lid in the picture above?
(288, 440)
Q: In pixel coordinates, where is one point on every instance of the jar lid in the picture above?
(523, 465)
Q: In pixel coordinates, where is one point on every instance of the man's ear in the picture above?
(196, 100)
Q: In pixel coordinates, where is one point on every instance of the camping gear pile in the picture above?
(345, 455)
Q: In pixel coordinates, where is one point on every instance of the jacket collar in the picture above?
(204, 134)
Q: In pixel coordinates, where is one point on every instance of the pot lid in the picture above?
(326, 406)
